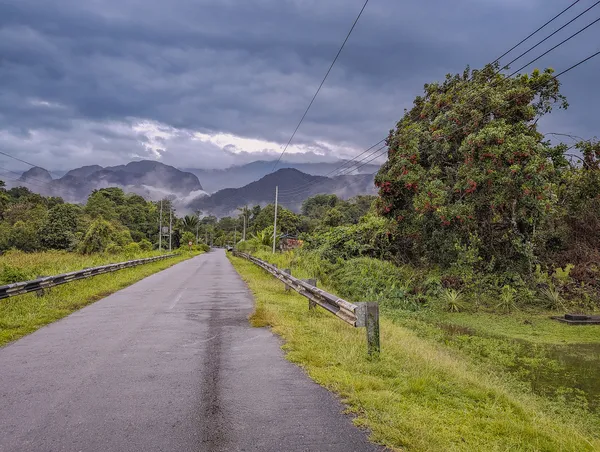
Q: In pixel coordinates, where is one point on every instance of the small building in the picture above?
(289, 242)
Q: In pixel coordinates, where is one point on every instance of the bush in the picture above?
(145, 245)
(132, 249)
(98, 237)
(113, 248)
(370, 238)
(366, 279)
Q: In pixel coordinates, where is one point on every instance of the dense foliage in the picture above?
(111, 221)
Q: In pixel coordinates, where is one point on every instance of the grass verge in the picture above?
(24, 314)
(419, 395)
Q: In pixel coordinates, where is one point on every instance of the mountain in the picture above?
(294, 188)
(84, 171)
(238, 176)
(151, 179)
(36, 175)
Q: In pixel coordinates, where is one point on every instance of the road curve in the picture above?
(167, 364)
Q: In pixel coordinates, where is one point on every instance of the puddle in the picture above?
(570, 371)
(456, 330)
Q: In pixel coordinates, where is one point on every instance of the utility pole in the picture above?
(234, 236)
(170, 225)
(245, 220)
(160, 229)
(244, 234)
(197, 226)
(275, 222)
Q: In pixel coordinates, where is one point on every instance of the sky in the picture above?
(214, 83)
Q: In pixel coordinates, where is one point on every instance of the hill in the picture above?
(239, 176)
(294, 188)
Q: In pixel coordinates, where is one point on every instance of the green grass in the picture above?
(537, 328)
(419, 395)
(20, 266)
(24, 314)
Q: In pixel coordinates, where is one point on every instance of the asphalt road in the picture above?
(167, 364)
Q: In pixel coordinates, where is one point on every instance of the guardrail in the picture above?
(356, 314)
(37, 285)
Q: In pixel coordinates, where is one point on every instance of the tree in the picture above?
(98, 237)
(24, 236)
(61, 225)
(287, 221)
(467, 171)
(189, 223)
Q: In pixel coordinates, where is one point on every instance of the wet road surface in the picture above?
(167, 364)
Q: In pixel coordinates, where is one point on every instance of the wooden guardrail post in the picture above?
(367, 315)
(311, 304)
(289, 272)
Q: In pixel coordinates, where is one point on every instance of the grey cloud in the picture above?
(247, 68)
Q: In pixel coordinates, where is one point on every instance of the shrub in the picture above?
(132, 249)
(145, 245)
(507, 299)
(113, 248)
(453, 300)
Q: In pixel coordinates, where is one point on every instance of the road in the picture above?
(167, 364)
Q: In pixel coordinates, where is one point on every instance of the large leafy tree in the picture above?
(59, 231)
(468, 174)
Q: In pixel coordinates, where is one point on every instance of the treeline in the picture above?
(111, 221)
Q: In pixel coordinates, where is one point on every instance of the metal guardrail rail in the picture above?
(356, 314)
(35, 285)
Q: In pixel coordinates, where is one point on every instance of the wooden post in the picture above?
(289, 272)
(311, 304)
(372, 324)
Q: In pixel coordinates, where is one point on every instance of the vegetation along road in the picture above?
(169, 363)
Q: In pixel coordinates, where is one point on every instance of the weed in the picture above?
(551, 299)
(453, 300)
(507, 302)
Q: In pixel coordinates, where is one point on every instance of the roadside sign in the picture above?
(190, 243)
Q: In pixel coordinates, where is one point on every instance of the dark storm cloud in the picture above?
(75, 77)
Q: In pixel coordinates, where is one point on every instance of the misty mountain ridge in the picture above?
(151, 179)
(154, 180)
(240, 175)
(294, 188)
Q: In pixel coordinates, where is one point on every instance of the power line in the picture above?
(305, 188)
(552, 34)
(577, 64)
(555, 47)
(341, 166)
(15, 158)
(321, 85)
(536, 31)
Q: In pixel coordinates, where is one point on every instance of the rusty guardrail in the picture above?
(356, 314)
(36, 285)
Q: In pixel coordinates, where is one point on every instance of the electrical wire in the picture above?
(321, 85)
(555, 47)
(536, 31)
(507, 65)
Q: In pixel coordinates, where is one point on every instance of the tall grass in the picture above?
(419, 395)
(18, 266)
(24, 314)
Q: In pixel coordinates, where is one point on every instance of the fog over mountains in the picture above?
(216, 192)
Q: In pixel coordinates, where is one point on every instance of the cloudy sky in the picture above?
(210, 83)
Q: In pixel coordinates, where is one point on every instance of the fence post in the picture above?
(372, 324)
(311, 304)
(289, 272)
